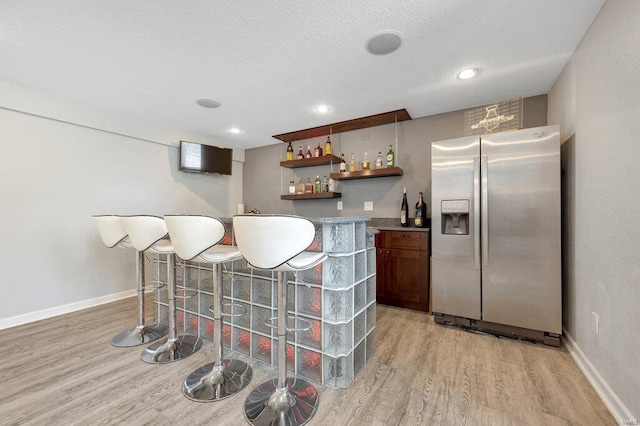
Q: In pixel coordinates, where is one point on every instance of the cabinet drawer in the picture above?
(408, 240)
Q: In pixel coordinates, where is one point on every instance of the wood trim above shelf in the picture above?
(308, 162)
(318, 196)
(346, 126)
(364, 174)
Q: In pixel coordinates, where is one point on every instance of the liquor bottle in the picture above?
(421, 213)
(391, 157)
(332, 185)
(318, 151)
(379, 160)
(404, 209)
(325, 185)
(366, 165)
(300, 154)
(343, 164)
(292, 187)
(327, 146)
(300, 187)
(308, 155)
(318, 185)
(308, 188)
(352, 163)
(289, 152)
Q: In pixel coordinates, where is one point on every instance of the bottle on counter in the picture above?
(308, 154)
(421, 213)
(366, 165)
(391, 157)
(352, 163)
(300, 153)
(317, 189)
(289, 152)
(404, 209)
(300, 187)
(318, 151)
(327, 146)
(379, 160)
(292, 187)
(343, 164)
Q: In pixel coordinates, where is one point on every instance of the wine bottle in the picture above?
(300, 154)
(327, 146)
(391, 157)
(352, 163)
(404, 209)
(289, 152)
(318, 151)
(420, 220)
(308, 154)
(343, 164)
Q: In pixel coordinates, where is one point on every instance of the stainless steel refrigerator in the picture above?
(496, 259)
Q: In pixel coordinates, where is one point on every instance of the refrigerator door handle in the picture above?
(476, 212)
(484, 202)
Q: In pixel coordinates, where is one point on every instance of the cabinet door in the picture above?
(382, 272)
(409, 270)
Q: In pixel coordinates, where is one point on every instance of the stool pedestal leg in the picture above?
(175, 347)
(285, 401)
(141, 334)
(221, 378)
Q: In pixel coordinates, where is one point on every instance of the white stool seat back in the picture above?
(192, 235)
(269, 241)
(111, 229)
(146, 233)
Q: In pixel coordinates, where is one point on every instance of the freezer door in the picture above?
(521, 275)
(455, 250)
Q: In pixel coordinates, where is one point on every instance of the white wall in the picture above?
(596, 101)
(62, 162)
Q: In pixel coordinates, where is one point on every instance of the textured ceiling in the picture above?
(269, 62)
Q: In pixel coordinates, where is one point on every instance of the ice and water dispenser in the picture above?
(455, 217)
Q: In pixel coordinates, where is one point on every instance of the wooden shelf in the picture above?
(308, 162)
(318, 196)
(365, 174)
(346, 126)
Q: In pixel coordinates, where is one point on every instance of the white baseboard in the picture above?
(618, 409)
(63, 309)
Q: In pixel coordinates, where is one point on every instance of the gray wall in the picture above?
(595, 101)
(264, 180)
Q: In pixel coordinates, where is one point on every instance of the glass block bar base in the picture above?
(337, 298)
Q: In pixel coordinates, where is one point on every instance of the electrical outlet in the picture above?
(368, 206)
(594, 323)
(339, 206)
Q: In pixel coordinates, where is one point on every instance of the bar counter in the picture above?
(338, 298)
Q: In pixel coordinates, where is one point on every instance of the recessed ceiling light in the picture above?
(235, 131)
(468, 73)
(323, 109)
(208, 103)
(384, 42)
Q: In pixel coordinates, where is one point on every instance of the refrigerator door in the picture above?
(455, 245)
(521, 275)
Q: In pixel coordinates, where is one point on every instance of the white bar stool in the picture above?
(112, 231)
(197, 238)
(277, 243)
(147, 233)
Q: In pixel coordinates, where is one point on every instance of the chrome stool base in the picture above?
(140, 335)
(269, 405)
(171, 350)
(207, 384)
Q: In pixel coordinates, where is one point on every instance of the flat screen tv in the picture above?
(198, 158)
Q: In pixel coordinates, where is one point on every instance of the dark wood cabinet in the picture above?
(402, 269)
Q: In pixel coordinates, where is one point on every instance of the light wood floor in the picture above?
(64, 371)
